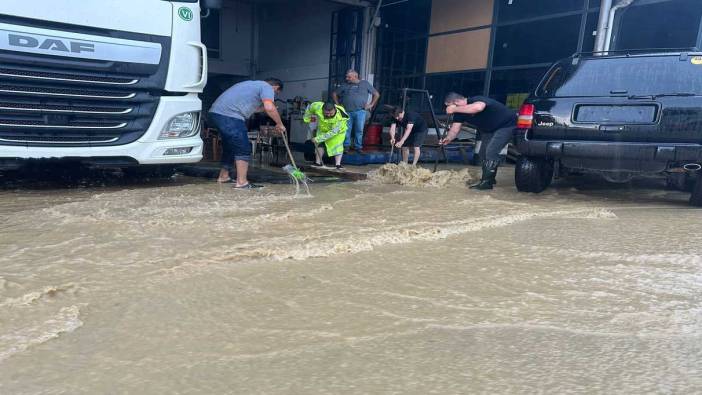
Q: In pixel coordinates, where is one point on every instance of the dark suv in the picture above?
(616, 115)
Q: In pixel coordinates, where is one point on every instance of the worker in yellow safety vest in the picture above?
(329, 122)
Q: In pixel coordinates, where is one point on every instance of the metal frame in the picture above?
(583, 11)
(353, 57)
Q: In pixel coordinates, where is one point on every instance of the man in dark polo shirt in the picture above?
(415, 132)
(494, 121)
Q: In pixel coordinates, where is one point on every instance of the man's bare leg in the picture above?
(319, 155)
(242, 170)
(417, 153)
(223, 175)
(337, 160)
(405, 154)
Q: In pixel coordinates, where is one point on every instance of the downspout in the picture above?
(605, 7)
(610, 25)
(369, 42)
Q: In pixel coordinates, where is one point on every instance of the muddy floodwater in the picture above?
(367, 287)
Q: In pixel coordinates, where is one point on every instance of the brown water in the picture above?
(365, 288)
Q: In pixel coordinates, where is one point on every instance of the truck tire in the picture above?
(533, 174)
(696, 198)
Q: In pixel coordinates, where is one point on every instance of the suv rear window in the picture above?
(638, 75)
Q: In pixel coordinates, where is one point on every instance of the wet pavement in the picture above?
(116, 285)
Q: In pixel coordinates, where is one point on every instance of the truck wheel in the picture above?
(532, 174)
(150, 171)
(696, 198)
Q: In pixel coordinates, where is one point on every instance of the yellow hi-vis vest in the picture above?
(330, 131)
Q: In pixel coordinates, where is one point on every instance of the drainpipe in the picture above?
(610, 24)
(366, 69)
(605, 7)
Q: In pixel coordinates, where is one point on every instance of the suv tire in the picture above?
(679, 182)
(696, 198)
(533, 174)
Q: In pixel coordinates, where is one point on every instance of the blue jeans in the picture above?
(356, 122)
(235, 139)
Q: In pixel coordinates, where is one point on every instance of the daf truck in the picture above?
(108, 83)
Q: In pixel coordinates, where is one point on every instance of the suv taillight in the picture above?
(526, 116)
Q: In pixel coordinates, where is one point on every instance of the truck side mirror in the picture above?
(212, 4)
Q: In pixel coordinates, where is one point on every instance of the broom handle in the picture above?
(287, 148)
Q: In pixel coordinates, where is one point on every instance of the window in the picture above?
(542, 41)
(511, 10)
(622, 76)
(670, 24)
(590, 32)
(211, 34)
(467, 84)
(513, 86)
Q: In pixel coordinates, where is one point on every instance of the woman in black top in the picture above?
(415, 132)
(495, 122)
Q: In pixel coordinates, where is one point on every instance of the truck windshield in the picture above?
(633, 76)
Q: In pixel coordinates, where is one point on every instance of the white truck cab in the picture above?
(106, 82)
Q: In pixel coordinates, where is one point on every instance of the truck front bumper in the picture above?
(146, 150)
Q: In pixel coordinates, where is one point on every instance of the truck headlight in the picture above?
(182, 125)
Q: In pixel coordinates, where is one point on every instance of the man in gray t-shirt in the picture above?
(229, 114)
(353, 96)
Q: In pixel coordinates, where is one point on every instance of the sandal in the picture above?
(339, 167)
(248, 186)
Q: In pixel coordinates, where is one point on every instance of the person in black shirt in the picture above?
(415, 132)
(495, 122)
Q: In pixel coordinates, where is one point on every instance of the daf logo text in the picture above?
(50, 44)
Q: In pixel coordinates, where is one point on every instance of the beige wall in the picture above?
(448, 15)
(459, 51)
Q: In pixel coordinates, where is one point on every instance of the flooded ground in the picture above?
(187, 286)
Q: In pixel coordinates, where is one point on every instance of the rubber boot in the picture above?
(489, 173)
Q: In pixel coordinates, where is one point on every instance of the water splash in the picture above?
(405, 174)
(66, 321)
(300, 184)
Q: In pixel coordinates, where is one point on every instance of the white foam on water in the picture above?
(33, 297)
(656, 259)
(66, 320)
(307, 246)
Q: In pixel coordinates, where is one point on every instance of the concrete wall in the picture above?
(236, 56)
(294, 40)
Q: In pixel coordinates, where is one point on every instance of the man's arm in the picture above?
(472, 108)
(452, 134)
(374, 101)
(335, 97)
(272, 112)
(393, 128)
(408, 130)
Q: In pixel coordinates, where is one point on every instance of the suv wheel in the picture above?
(696, 198)
(533, 174)
(679, 182)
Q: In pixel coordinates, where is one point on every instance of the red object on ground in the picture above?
(372, 137)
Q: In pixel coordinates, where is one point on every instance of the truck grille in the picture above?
(47, 107)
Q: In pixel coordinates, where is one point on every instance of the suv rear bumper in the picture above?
(627, 156)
